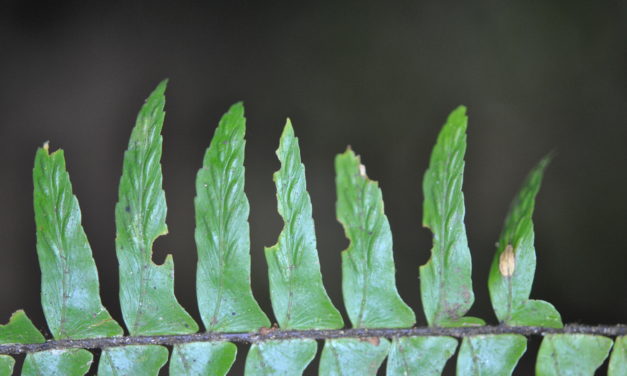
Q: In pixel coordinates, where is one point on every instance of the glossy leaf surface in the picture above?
(514, 263)
(571, 354)
(222, 234)
(202, 359)
(348, 356)
(618, 359)
(70, 292)
(147, 298)
(74, 362)
(132, 360)
(299, 299)
(490, 354)
(368, 272)
(425, 356)
(20, 330)
(445, 280)
(6, 365)
(280, 358)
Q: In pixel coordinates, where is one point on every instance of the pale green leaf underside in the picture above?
(425, 356)
(132, 360)
(368, 272)
(202, 359)
(618, 359)
(280, 358)
(70, 292)
(222, 233)
(6, 365)
(147, 296)
(299, 300)
(74, 362)
(445, 280)
(510, 293)
(571, 354)
(490, 354)
(348, 356)
(20, 330)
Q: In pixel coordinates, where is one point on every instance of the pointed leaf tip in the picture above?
(163, 85)
(237, 108)
(288, 129)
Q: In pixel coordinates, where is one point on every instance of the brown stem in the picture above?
(265, 334)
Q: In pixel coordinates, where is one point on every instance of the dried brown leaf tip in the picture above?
(507, 261)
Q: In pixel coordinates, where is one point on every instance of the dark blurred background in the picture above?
(382, 77)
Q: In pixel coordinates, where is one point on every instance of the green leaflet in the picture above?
(571, 354)
(70, 293)
(368, 283)
(132, 360)
(299, 300)
(424, 356)
(147, 298)
(280, 358)
(202, 359)
(6, 365)
(490, 354)
(20, 330)
(445, 280)
(514, 263)
(74, 362)
(618, 360)
(222, 236)
(348, 356)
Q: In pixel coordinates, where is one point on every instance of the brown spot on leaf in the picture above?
(507, 262)
(265, 331)
(372, 340)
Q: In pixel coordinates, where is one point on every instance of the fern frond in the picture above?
(382, 321)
